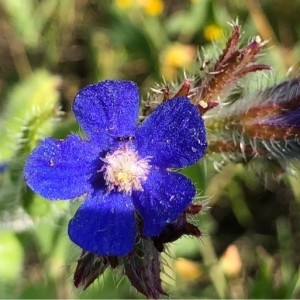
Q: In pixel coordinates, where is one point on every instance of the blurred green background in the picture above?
(49, 49)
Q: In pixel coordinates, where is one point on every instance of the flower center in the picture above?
(124, 170)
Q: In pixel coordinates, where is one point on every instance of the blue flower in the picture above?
(3, 167)
(122, 168)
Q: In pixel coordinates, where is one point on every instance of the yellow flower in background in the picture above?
(152, 7)
(188, 270)
(212, 32)
(124, 4)
(176, 56)
(231, 262)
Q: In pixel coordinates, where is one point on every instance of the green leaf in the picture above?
(29, 18)
(188, 22)
(12, 255)
(196, 174)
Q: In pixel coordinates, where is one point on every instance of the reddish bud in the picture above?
(143, 270)
(231, 66)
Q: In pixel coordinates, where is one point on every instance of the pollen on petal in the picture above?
(124, 170)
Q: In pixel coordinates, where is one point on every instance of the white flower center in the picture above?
(124, 170)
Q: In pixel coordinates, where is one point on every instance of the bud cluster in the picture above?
(264, 124)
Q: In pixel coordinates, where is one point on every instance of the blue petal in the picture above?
(104, 224)
(287, 118)
(60, 169)
(166, 195)
(3, 167)
(107, 110)
(173, 135)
